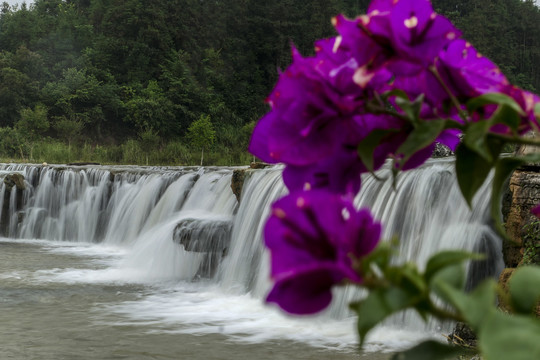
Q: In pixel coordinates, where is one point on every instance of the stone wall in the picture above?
(522, 227)
(522, 247)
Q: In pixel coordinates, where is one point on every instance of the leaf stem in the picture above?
(443, 314)
(453, 98)
(377, 109)
(514, 139)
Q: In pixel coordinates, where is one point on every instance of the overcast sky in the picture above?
(13, 2)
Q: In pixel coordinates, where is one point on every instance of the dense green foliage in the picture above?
(125, 79)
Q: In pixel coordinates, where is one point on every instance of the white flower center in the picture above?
(411, 22)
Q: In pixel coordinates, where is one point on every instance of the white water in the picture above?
(124, 222)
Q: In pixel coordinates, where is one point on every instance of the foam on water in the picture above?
(173, 306)
(195, 310)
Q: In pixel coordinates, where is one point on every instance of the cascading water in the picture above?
(185, 224)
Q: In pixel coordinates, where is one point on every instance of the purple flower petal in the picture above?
(312, 113)
(367, 230)
(419, 158)
(418, 33)
(527, 101)
(536, 211)
(258, 144)
(450, 138)
(467, 73)
(314, 237)
(306, 291)
(339, 174)
(380, 6)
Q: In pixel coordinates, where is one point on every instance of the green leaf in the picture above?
(412, 280)
(475, 138)
(537, 110)
(425, 133)
(367, 146)
(473, 307)
(471, 171)
(379, 257)
(508, 116)
(378, 305)
(411, 109)
(444, 259)
(398, 93)
(524, 288)
(493, 98)
(430, 350)
(502, 337)
(450, 276)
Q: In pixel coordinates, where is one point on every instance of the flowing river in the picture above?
(164, 263)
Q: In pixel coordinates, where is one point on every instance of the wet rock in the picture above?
(239, 177)
(259, 165)
(16, 180)
(13, 182)
(208, 237)
(20, 217)
(463, 336)
(506, 274)
(237, 182)
(442, 151)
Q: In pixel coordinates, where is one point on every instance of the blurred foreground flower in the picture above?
(315, 238)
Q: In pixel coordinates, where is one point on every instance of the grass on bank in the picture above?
(131, 152)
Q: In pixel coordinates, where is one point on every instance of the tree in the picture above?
(80, 95)
(149, 140)
(32, 124)
(201, 134)
(68, 129)
(151, 109)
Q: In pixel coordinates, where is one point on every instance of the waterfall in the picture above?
(186, 224)
(425, 210)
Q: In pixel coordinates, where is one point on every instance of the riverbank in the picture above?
(133, 152)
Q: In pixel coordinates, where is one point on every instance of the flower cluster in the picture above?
(315, 238)
(386, 74)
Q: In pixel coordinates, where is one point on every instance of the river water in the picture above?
(165, 263)
(68, 301)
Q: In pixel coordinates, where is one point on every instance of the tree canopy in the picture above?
(105, 71)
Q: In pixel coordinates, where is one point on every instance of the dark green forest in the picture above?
(138, 81)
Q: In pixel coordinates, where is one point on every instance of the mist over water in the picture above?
(134, 263)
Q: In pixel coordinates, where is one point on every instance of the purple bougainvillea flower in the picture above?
(310, 118)
(450, 138)
(336, 63)
(527, 101)
(411, 31)
(380, 6)
(467, 73)
(314, 238)
(358, 44)
(418, 32)
(423, 82)
(339, 173)
(536, 211)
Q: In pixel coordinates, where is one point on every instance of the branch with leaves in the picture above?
(391, 85)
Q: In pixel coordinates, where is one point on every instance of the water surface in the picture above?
(68, 301)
